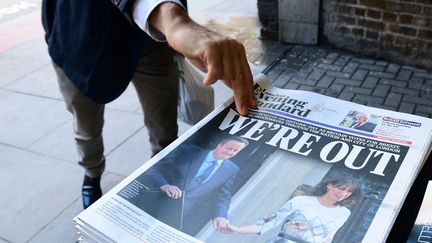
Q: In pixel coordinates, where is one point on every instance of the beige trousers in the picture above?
(156, 83)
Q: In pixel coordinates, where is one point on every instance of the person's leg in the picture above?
(87, 124)
(156, 82)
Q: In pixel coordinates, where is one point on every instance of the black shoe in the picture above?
(91, 190)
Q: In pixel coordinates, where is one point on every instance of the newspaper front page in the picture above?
(303, 167)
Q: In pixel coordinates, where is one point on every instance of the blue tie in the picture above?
(198, 180)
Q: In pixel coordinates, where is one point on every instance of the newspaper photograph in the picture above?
(302, 167)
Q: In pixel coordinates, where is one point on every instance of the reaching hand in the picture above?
(245, 229)
(224, 58)
(220, 224)
(171, 191)
(229, 229)
(221, 57)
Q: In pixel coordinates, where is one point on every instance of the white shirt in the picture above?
(312, 222)
(141, 12)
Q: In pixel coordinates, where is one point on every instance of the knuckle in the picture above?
(217, 70)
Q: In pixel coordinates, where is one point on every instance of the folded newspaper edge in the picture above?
(397, 143)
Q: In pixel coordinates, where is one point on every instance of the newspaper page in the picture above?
(303, 167)
(422, 229)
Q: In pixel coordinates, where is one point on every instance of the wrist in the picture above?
(166, 16)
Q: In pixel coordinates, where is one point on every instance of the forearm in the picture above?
(248, 229)
(166, 15)
(173, 22)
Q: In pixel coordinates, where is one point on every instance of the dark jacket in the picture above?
(95, 42)
(180, 167)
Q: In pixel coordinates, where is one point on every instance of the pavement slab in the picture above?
(14, 68)
(36, 118)
(58, 143)
(35, 49)
(62, 228)
(35, 189)
(42, 82)
(20, 30)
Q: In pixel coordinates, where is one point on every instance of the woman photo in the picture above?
(314, 218)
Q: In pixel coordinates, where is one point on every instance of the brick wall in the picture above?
(399, 30)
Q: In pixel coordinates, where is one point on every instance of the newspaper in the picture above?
(302, 167)
(422, 229)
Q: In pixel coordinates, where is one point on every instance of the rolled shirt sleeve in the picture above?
(141, 12)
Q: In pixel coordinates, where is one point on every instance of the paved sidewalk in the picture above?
(347, 76)
(39, 176)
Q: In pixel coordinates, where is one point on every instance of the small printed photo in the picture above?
(360, 121)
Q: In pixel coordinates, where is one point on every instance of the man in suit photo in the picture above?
(199, 179)
(363, 124)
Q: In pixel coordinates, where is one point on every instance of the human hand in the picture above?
(220, 224)
(229, 229)
(171, 191)
(221, 57)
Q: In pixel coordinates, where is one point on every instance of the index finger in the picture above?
(243, 86)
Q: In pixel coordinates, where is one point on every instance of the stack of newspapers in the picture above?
(302, 167)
